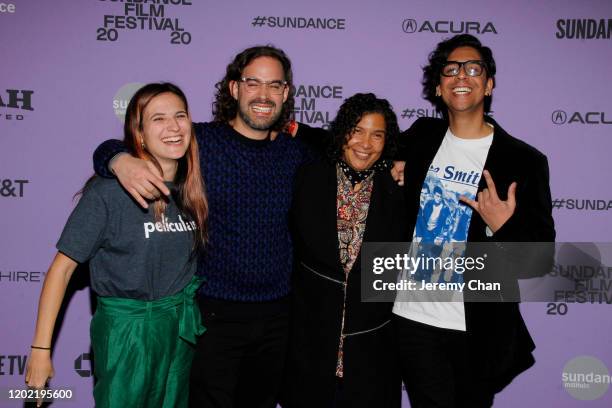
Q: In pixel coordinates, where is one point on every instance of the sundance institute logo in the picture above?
(585, 378)
(122, 98)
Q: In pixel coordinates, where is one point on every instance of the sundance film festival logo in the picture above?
(7, 8)
(17, 99)
(415, 113)
(582, 204)
(584, 29)
(561, 117)
(122, 98)
(307, 101)
(410, 26)
(410, 113)
(585, 378)
(136, 15)
(314, 23)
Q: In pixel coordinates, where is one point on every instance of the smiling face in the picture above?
(463, 93)
(365, 145)
(258, 109)
(166, 129)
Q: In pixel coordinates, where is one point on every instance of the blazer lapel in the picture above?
(495, 164)
(375, 223)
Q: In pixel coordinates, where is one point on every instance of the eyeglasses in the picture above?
(472, 68)
(253, 85)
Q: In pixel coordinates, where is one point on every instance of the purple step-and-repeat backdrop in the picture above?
(68, 68)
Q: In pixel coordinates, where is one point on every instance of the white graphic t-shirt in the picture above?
(442, 224)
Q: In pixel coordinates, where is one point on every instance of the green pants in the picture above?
(143, 350)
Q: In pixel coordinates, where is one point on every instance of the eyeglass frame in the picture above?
(261, 83)
(481, 63)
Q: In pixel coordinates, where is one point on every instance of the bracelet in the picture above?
(40, 348)
(110, 162)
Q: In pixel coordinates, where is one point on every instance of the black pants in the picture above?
(435, 368)
(240, 358)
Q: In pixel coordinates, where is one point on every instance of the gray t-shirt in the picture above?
(130, 254)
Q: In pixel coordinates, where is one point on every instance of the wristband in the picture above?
(110, 162)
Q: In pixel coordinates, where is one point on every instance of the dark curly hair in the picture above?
(431, 72)
(225, 107)
(349, 115)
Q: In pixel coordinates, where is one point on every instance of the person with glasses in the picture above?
(248, 260)
(455, 353)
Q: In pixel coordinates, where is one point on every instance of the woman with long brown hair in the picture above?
(142, 265)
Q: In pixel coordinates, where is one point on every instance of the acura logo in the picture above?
(559, 117)
(409, 25)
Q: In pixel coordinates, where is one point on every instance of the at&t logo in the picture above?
(12, 188)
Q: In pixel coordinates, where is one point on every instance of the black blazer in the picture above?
(499, 344)
(372, 378)
(315, 239)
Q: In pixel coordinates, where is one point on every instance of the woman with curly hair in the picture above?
(340, 349)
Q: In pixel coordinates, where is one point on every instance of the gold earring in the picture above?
(438, 93)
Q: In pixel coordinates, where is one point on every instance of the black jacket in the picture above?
(370, 376)
(499, 344)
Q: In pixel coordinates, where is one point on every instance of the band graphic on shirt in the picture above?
(443, 220)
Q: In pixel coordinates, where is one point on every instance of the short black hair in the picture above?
(350, 113)
(431, 72)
